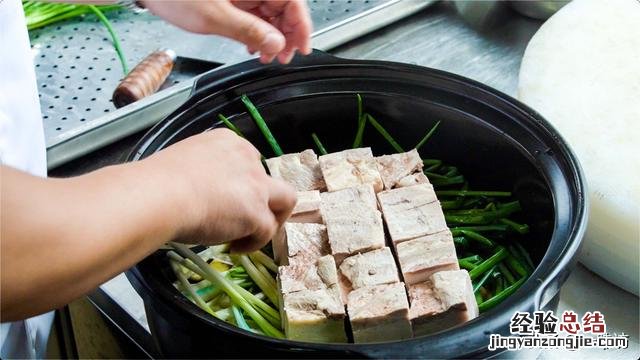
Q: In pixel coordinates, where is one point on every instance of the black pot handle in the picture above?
(216, 76)
(315, 58)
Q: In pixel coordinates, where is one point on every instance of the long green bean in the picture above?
(498, 298)
(450, 204)
(472, 258)
(478, 297)
(499, 281)
(481, 228)
(525, 254)
(452, 171)
(473, 193)
(474, 236)
(474, 211)
(432, 162)
(489, 263)
(519, 228)
(507, 274)
(448, 181)
(485, 217)
(433, 176)
(465, 264)
(460, 241)
(483, 279)
(516, 265)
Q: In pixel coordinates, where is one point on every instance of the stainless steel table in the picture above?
(77, 68)
(436, 37)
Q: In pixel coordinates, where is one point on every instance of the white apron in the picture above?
(21, 146)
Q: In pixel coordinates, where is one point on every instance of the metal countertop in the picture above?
(77, 67)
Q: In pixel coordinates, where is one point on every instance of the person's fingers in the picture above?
(249, 29)
(282, 199)
(296, 26)
(292, 18)
(266, 58)
(248, 5)
(251, 151)
(286, 55)
(273, 8)
(267, 226)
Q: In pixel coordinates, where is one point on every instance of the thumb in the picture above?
(250, 30)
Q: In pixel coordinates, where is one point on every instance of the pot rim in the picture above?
(537, 284)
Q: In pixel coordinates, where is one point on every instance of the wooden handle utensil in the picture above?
(145, 79)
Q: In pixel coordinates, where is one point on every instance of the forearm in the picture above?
(62, 238)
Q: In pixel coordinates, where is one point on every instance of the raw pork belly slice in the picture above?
(413, 179)
(317, 275)
(375, 267)
(379, 313)
(311, 303)
(350, 233)
(444, 301)
(301, 170)
(350, 168)
(361, 195)
(314, 315)
(307, 201)
(396, 167)
(411, 212)
(307, 209)
(300, 243)
(421, 257)
(354, 225)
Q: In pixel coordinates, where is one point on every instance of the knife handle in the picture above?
(145, 79)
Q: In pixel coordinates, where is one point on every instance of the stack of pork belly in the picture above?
(337, 263)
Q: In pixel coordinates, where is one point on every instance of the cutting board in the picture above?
(581, 71)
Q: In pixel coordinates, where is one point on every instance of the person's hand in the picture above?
(274, 28)
(224, 193)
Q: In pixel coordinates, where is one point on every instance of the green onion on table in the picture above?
(40, 14)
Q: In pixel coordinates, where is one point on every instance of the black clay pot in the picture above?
(496, 141)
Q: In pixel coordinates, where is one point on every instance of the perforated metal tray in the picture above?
(77, 68)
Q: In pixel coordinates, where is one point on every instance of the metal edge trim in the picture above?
(366, 22)
(119, 124)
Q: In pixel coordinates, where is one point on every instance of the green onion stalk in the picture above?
(267, 311)
(234, 292)
(39, 14)
(321, 149)
(262, 125)
(362, 122)
(184, 284)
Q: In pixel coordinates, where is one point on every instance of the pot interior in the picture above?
(487, 156)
